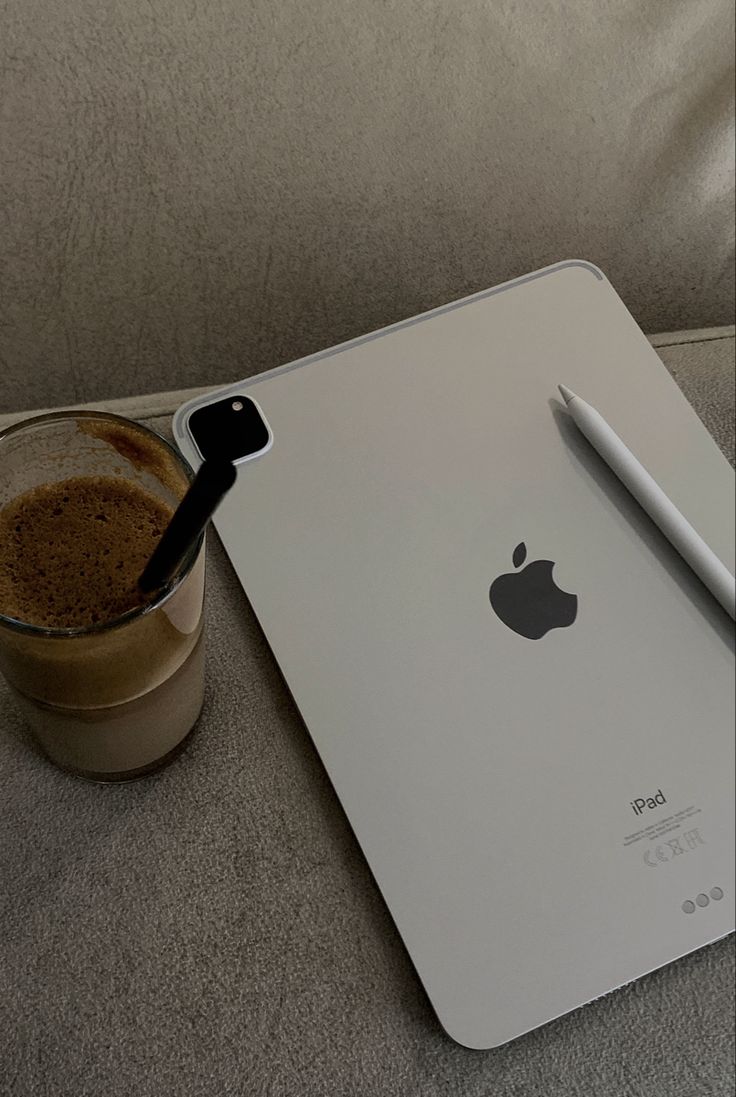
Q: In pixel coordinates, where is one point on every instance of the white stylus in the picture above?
(650, 496)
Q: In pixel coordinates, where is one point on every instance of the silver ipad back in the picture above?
(542, 783)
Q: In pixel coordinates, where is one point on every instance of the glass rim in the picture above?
(165, 592)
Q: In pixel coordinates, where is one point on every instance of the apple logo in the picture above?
(529, 601)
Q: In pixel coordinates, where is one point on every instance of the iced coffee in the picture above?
(110, 679)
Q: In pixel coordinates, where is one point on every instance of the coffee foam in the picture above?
(71, 552)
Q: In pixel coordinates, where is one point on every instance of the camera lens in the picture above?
(233, 429)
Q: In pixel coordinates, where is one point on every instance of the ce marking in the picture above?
(660, 857)
(675, 847)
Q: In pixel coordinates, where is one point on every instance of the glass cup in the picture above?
(115, 700)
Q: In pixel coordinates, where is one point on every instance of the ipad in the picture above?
(523, 698)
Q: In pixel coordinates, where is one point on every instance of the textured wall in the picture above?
(194, 192)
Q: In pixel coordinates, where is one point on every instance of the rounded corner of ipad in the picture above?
(581, 264)
(470, 1035)
(473, 1041)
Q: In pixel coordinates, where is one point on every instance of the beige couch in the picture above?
(192, 193)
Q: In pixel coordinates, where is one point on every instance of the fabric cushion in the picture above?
(193, 193)
(214, 930)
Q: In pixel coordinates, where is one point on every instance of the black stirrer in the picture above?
(214, 478)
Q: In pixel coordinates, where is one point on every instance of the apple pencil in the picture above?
(650, 496)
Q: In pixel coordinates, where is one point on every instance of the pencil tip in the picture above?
(566, 393)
